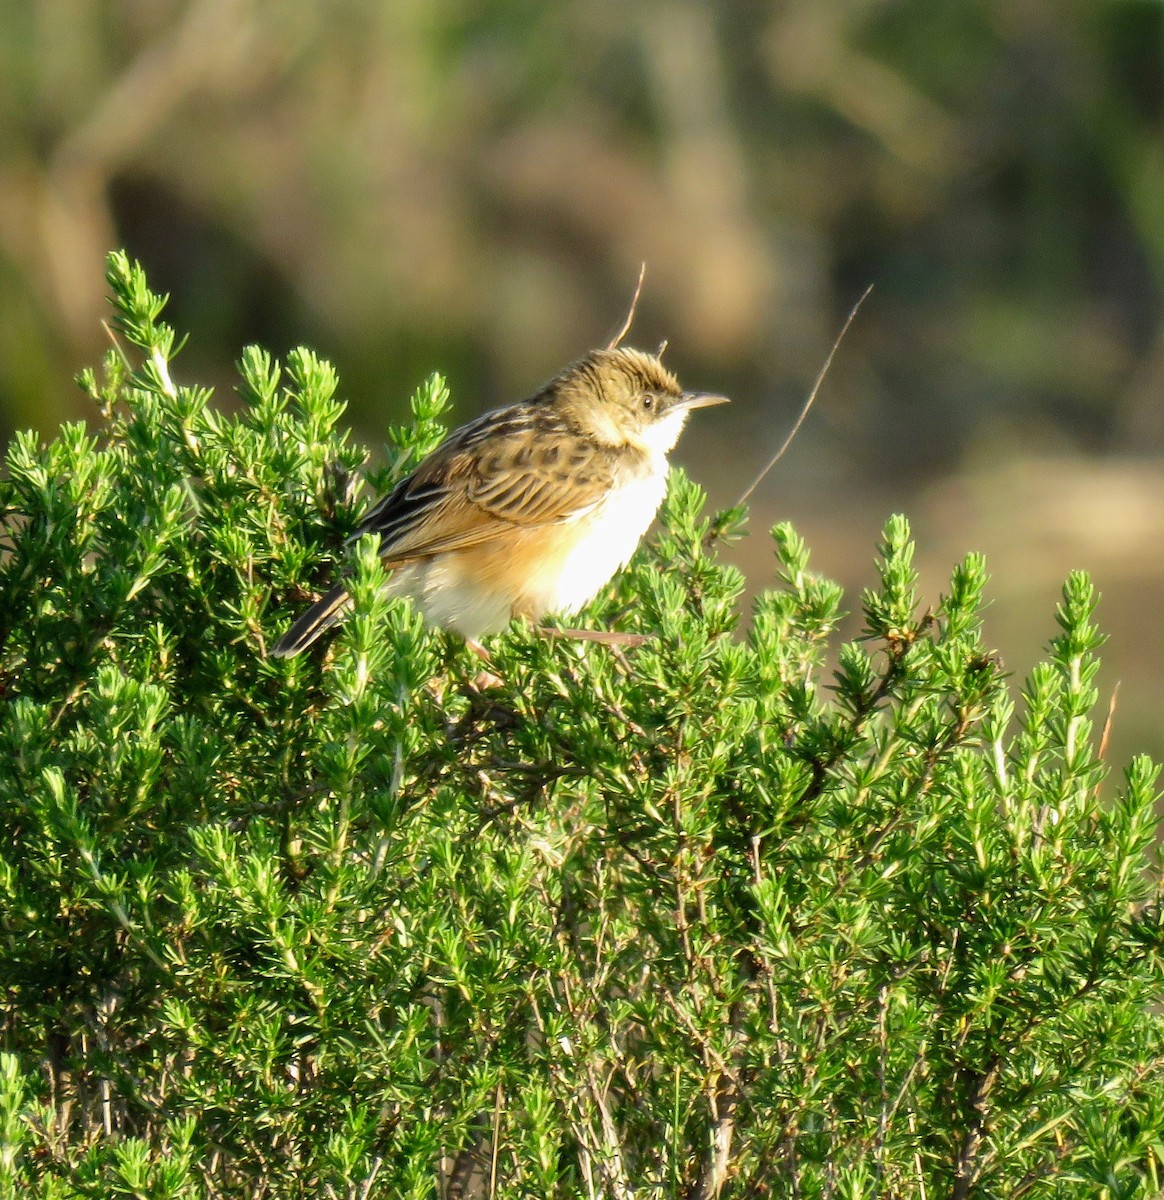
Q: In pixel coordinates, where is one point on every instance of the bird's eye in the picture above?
(648, 402)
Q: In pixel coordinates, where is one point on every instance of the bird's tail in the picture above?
(327, 611)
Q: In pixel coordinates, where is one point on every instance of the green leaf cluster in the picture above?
(736, 913)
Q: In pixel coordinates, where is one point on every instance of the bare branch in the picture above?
(713, 1171)
(612, 1163)
(966, 1166)
(724, 1093)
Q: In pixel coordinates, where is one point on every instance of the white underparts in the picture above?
(571, 563)
(611, 535)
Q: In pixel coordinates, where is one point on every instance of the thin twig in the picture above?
(498, 1102)
(630, 316)
(966, 1167)
(882, 1087)
(1107, 724)
(713, 1171)
(112, 336)
(828, 362)
(917, 1162)
(758, 879)
(613, 1162)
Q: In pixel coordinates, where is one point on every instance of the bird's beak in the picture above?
(690, 400)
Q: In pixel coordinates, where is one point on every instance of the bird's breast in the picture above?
(593, 547)
(534, 570)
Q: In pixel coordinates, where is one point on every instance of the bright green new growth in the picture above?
(705, 921)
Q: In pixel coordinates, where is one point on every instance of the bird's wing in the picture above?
(500, 472)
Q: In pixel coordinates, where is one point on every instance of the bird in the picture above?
(529, 509)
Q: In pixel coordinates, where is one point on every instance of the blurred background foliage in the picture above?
(409, 186)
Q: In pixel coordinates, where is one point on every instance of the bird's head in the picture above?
(623, 397)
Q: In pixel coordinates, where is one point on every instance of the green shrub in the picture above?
(684, 923)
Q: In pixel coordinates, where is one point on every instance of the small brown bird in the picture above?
(529, 509)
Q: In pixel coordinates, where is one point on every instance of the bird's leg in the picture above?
(604, 637)
(479, 650)
(485, 679)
